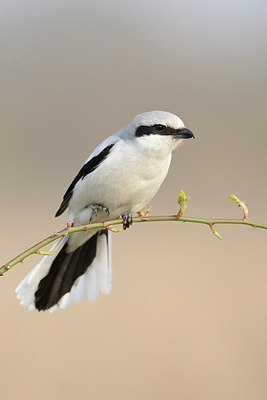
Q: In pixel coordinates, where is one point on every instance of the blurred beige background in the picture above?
(187, 318)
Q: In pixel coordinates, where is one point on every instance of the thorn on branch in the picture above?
(70, 224)
(143, 213)
(240, 204)
(4, 269)
(44, 253)
(215, 233)
(182, 200)
(114, 230)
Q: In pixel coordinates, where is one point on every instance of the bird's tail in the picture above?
(63, 277)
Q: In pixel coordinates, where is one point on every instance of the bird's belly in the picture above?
(123, 188)
(133, 195)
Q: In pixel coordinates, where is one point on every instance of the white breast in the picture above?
(126, 181)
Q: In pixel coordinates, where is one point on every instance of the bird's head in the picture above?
(159, 127)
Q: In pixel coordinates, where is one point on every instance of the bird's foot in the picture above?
(96, 208)
(127, 221)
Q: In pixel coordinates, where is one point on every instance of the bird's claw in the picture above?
(127, 220)
(98, 207)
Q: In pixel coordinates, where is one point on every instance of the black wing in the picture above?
(87, 168)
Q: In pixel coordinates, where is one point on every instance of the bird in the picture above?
(119, 179)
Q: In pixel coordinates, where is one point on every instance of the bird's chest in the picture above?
(134, 177)
(138, 165)
(126, 181)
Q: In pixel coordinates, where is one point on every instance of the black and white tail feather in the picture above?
(64, 277)
(119, 178)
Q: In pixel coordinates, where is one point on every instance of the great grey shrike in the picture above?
(118, 179)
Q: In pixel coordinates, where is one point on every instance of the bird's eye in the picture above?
(159, 127)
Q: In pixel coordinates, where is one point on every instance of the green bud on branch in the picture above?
(182, 200)
(240, 204)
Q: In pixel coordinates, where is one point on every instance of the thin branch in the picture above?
(36, 249)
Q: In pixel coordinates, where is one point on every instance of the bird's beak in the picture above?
(184, 133)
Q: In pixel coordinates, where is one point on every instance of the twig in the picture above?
(108, 224)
